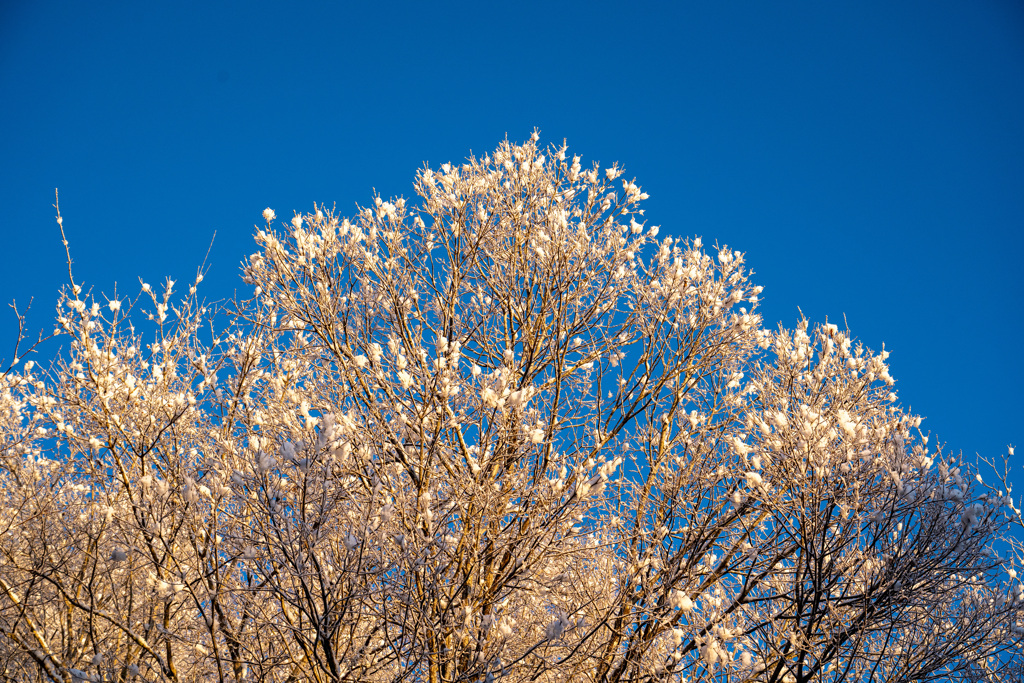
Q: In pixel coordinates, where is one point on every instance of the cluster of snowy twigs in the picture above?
(501, 432)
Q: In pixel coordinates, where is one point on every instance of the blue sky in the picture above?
(867, 156)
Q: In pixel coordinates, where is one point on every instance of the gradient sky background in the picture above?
(867, 156)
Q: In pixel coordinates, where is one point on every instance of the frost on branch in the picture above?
(501, 431)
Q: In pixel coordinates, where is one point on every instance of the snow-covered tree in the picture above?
(500, 432)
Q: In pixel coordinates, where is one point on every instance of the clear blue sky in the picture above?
(867, 156)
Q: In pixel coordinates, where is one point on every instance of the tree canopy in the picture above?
(502, 431)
